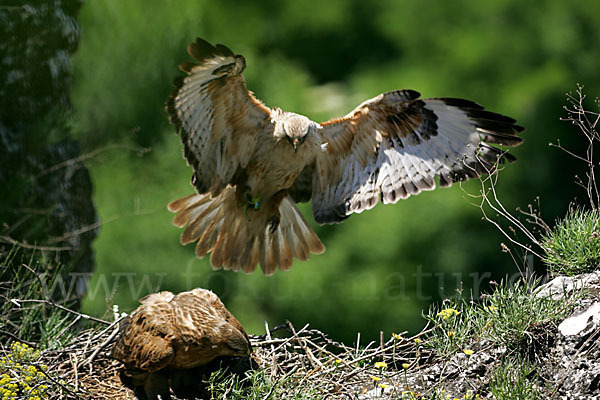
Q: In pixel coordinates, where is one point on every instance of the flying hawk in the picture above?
(252, 164)
(169, 333)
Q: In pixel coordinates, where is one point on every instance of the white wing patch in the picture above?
(395, 145)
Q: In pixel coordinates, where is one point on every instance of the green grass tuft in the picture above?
(23, 313)
(573, 247)
(515, 378)
(256, 385)
(511, 316)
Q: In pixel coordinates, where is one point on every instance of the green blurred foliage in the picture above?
(322, 59)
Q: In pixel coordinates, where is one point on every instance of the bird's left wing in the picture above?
(146, 335)
(218, 119)
(396, 145)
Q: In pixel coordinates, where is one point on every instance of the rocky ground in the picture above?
(566, 357)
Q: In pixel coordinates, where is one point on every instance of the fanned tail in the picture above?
(238, 240)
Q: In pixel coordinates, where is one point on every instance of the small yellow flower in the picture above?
(417, 341)
(396, 336)
(451, 333)
(468, 352)
(447, 313)
(380, 365)
(338, 361)
(382, 385)
(375, 378)
(491, 308)
(405, 365)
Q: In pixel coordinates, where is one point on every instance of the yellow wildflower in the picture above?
(468, 352)
(451, 333)
(417, 341)
(375, 378)
(380, 365)
(382, 385)
(405, 365)
(447, 313)
(396, 336)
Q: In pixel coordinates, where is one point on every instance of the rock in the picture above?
(563, 285)
(579, 323)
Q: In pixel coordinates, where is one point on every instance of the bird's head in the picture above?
(295, 129)
(233, 342)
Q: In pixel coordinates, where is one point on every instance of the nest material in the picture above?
(304, 358)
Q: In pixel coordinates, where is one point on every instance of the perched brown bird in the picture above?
(252, 164)
(168, 333)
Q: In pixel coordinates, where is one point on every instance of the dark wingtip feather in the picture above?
(460, 103)
(187, 66)
(201, 49)
(333, 215)
(224, 50)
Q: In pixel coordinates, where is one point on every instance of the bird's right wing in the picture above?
(218, 119)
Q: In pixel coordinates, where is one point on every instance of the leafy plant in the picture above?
(19, 377)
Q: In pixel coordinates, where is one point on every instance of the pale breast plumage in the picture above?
(388, 148)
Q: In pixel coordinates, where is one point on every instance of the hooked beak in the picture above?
(296, 143)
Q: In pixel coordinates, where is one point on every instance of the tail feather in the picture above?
(193, 206)
(201, 222)
(240, 242)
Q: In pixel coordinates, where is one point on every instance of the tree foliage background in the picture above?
(322, 59)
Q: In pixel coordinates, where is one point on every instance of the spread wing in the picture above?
(218, 119)
(396, 145)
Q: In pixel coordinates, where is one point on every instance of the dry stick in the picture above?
(85, 156)
(60, 384)
(18, 339)
(73, 359)
(261, 343)
(273, 358)
(102, 345)
(314, 362)
(381, 343)
(9, 240)
(52, 303)
(68, 327)
(37, 276)
(502, 211)
(286, 341)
